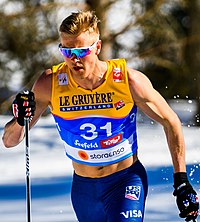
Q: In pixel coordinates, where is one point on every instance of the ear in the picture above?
(98, 49)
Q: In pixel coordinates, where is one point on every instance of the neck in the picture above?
(93, 79)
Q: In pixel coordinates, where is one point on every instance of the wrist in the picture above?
(180, 178)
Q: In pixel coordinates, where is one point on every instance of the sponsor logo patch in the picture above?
(117, 75)
(62, 79)
(111, 141)
(83, 155)
(133, 192)
(85, 145)
(119, 104)
(107, 155)
(85, 102)
(131, 214)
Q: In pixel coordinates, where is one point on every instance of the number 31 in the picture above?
(91, 128)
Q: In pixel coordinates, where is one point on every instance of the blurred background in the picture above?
(158, 37)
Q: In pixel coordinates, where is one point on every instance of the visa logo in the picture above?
(132, 213)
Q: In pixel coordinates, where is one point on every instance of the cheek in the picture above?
(89, 62)
(66, 60)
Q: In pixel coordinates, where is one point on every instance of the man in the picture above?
(94, 105)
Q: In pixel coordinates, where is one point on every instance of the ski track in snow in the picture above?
(51, 174)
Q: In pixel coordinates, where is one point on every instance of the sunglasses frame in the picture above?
(76, 51)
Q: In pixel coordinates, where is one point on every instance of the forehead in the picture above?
(84, 39)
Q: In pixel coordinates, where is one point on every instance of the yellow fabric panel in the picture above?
(111, 99)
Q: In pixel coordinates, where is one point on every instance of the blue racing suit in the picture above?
(119, 197)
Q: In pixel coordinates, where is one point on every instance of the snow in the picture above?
(51, 174)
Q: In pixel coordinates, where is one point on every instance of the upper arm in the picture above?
(13, 132)
(42, 92)
(149, 100)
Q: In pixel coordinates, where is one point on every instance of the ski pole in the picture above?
(28, 187)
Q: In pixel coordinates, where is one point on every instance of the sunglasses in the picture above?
(79, 52)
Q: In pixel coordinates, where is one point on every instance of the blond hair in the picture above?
(79, 22)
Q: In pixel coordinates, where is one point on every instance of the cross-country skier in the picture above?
(94, 104)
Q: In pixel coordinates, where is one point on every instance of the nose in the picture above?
(74, 57)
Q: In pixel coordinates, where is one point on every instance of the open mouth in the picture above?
(78, 68)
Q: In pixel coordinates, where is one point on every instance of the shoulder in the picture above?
(139, 84)
(136, 77)
(42, 86)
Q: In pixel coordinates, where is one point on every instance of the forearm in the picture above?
(13, 134)
(176, 144)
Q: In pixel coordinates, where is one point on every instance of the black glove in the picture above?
(24, 106)
(186, 197)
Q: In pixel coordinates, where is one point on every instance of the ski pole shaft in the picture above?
(28, 187)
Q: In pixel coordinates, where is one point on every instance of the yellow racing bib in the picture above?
(97, 126)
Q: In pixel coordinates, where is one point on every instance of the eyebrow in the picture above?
(85, 47)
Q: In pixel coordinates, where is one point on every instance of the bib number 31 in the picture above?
(91, 132)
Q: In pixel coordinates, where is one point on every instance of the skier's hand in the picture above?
(186, 197)
(24, 106)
